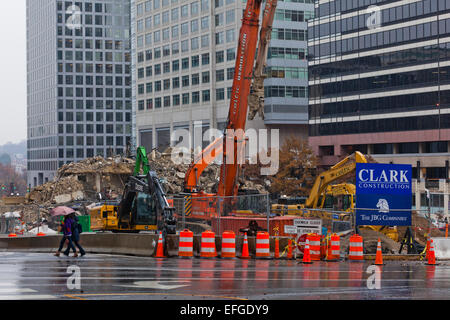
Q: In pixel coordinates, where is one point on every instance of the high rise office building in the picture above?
(79, 82)
(379, 77)
(184, 56)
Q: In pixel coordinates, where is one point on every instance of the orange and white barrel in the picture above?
(335, 246)
(208, 247)
(228, 244)
(314, 246)
(356, 248)
(186, 244)
(262, 245)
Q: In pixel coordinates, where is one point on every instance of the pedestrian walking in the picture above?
(66, 227)
(76, 230)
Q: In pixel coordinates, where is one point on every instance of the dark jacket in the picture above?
(75, 232)
(67, 226)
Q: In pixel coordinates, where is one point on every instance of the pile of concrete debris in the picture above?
(84, 180)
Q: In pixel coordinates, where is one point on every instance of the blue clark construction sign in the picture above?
(383, 194)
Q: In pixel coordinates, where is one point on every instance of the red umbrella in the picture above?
(61, 211)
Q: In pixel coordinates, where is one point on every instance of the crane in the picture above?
(247, 89)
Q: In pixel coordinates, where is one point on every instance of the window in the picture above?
(195, 61)
(176, 100)
(166, 34)
(196, 97)
(166, 67)
(205, 77)
(175, 83)
(218, 18)
(194, 8)
(165, 17)
(184, 46)
(194, 25)
(230, 73)
(204, 23)
(184, 28)
(185, 98)
(219, 56)
(174, 14)
(175, 65)
(185, 63)
(220, 37)
(195, 79)
(230, 16)
(184, 11)
(175, 31)
(220, 75)
(185, 81)
(205, 59)
(231, 54)
(206, 96)
(194, 43)
(220, 94)
(205, 41)
(166, 84)
(230, 35)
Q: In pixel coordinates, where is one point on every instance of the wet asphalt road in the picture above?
(40, 276)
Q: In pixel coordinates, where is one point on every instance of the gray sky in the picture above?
(13, 77)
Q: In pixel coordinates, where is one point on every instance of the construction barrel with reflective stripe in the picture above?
(186, 244)
(228, 245)
(262, 245)
(208, 247)
(334, 248)
(314, 246)
(356, 248)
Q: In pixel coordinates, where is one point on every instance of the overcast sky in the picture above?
(13, 77)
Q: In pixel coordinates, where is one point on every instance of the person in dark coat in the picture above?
(75, 236)
(66, 227)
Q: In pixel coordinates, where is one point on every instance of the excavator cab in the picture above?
(144, 210)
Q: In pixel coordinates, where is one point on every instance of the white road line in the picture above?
(28, 297)
(17, 290)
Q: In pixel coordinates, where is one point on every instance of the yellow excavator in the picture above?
(334, 197)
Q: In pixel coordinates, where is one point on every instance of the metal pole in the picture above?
(39, 218)
(184, 212)
(268, 212)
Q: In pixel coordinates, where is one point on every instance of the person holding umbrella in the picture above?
(66, 227)
(75, 235)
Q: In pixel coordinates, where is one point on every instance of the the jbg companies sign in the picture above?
(383, 194)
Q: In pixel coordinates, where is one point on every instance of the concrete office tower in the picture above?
(184, 55)
(379, 83)
(79, 82)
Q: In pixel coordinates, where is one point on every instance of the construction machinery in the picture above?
(247, 89)
(144, 205)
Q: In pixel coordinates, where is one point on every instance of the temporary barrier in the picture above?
(379, 256)
(245, 254)
(262, 245)
(441, 247)
(431, 257)
(160, 248)
(277, 248)
(12, 235)
(208, 247)
(356, 248)
(186, 244)
(314, 246)
(228, 245)
(334, 248)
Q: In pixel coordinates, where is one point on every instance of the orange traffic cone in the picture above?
(379, 256)
(12, 235)
(306, 254)
(245, 254)
(41, 234)
(431, 256)
(160, 248)
(277, 248)
(427, 250)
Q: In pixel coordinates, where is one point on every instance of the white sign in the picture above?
(308, 223)
(290, 229)
(301, 231)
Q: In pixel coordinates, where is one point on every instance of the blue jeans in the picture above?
(70, 246)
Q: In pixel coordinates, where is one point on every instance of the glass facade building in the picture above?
(184, 55)
(379, 82)
(79, 82)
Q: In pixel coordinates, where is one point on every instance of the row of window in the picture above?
(381, 125)
(382, 61)
(90, 43)
(99, 80)
(186, 81)
(195, 60)
(90, 152)
(388, 104)
(116, 33)
(194, 6)
(381, 39)
(195, 43)
(90, 104)
(287, 72)
(97, 20)
(176, 100)
(94, 92)
(91, 7)
(287, 53)
(89, 128)
(388, 16)
(293, 15)
(289, 34)
(193, 25)
(89, 56)
(89, 116)
(89, 140)
(420, 78)
(93, 68)
(285, 92)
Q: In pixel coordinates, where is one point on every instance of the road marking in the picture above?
(27, 297)
(17, 290)
(154, 285)
(77, 296)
